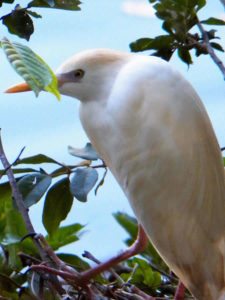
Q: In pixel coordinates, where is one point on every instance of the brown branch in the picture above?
(210, 49)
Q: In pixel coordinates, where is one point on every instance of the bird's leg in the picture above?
(180, 291)
(138, 246)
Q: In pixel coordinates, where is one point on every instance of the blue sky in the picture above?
(45, 126)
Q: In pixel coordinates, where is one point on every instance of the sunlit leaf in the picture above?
(64, 235)
(83, 180)
(88, 152)
(143, 273)
(58, 202)
(31, 67)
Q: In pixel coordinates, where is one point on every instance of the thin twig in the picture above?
(12, 164)
(210, 49)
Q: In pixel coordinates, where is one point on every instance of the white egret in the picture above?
(152, 130)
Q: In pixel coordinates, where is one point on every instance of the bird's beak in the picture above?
(18, 88)
(24, 87)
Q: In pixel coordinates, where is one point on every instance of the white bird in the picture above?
(153, 132)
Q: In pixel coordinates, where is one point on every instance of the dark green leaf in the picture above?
(5, 1)
(34, 14)
(19, 23)
(33, 187)
(200, 4)
(213, 21)
(185, 56)
(31, 67)
(60, 4)
(57, 205)
(217, 46)
(74, 260)
(64, 235)
(88, 152)
(37, 159)
(141, 45)
(164, 44)
(83, 180)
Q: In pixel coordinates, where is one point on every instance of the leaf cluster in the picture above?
(179, 19)
(19, 20)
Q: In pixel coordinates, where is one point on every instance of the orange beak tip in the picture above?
(19, 88)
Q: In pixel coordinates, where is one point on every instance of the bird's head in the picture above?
(88, 75)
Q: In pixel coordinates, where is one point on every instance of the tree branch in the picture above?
(211, 51)
(18, 198)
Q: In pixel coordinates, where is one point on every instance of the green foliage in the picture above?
(59, 4)
(142, 274)
(33, 187)
(179, 18)
(58, 203)
(213, 21)
(64, 236)
(19, 20)
(31, 67)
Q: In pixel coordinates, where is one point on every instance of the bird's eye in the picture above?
(79, 73)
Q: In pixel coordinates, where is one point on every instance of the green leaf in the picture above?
(33, 187)
(88, 152)
(82, 182)
(58, 202)
(213, 21)
(64, 236)
(60, 4)
(36, 159)
(143, 273)
(5, 1)
(74, 261)
(141, 45)
(217, 46)
(128, 223)
(184, 55)
(33, 14)
(19, 23)
(31, 67)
